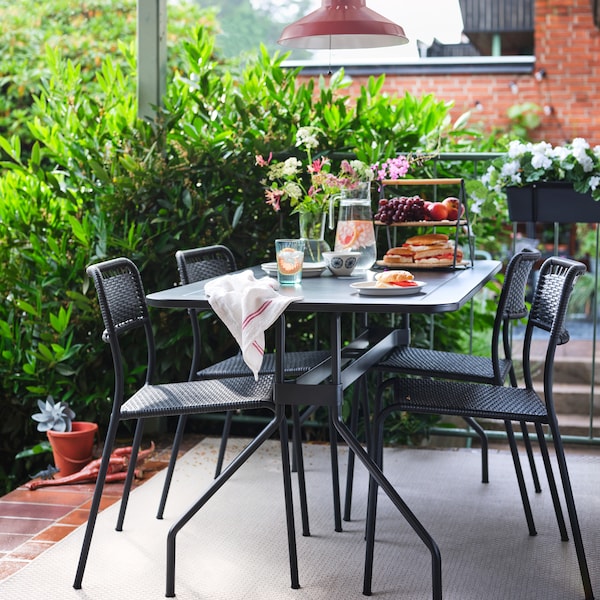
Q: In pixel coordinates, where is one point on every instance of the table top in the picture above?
(445, 290)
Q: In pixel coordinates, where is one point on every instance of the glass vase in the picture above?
(312, 231)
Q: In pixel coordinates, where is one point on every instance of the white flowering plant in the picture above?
(525, 163)
(309, 187)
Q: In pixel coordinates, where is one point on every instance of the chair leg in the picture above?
(289, 507)
(485, 477)
(570, 501)
(350, 466)
(529, 450)
(520, 479)
(335, 475)
(109, 443)
(297, 452)
(560, 519)
(135, 447)
(224, 439)
(172, 460)
(274, 425)
(303, 417)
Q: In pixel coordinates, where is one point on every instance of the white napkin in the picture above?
(248, 307)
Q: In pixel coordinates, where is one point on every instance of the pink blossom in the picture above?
(274, 198)
(261, 162)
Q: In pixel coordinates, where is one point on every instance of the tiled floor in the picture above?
(31, 521)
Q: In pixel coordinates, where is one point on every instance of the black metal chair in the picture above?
(123, 305)
(424, 362)
(557, 278)
(198, 264)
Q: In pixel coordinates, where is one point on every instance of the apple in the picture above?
(453, 205)
(437, 211)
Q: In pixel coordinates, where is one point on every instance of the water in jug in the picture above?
(355, 229)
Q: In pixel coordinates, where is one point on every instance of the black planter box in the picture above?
(551, 203)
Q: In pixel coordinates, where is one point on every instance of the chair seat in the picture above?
(467, 399)
(296, 363)
(447, 365)
(196, 397)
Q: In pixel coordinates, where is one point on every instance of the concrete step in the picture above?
(566, 370)
(575, 399)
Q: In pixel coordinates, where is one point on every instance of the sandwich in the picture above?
(398, 256)
(433, 249)
(398, 278)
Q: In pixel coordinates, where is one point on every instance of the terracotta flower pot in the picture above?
(73, 449)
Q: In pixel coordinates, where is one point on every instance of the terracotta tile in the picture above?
(10, 541)
(29, 550)
(55, 533)
(33, 510)
(9, 567)
(105, 502)
(75, 517)
(23, 526)
(69, 496)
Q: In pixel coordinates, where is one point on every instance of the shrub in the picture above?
(94, 182)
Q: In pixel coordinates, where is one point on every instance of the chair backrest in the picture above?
(198, 264)
(123, 306)
(511, 305)
(556, 281)
(203, 263)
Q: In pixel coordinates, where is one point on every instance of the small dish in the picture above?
(368, 288)
(308, 269)
(341, 263)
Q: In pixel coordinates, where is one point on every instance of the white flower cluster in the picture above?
(524, 163)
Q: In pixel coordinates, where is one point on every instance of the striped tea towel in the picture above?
(248, 307)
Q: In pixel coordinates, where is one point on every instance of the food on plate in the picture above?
(390, 279)
(433, 249)
(398, 256)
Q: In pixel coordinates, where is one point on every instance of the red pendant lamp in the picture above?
(342, 24)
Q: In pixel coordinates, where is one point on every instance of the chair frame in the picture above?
(507, 403)
(479, 369)
(198, 264)
(123, 306)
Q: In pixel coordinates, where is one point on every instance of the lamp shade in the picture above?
(342, 24)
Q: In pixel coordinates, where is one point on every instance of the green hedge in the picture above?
(88, 181)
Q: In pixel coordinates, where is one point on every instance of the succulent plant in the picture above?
(53, 416)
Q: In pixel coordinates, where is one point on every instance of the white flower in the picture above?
(307, 137)
(516, 149)
(594, 182)
(583, 159)
(540, 161)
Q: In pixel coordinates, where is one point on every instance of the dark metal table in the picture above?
(446, 290)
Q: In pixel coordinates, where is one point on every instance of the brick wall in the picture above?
(567, 48)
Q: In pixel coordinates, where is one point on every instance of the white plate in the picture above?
(308, 270)
(367, 288)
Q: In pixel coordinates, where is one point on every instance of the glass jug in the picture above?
(355, 229)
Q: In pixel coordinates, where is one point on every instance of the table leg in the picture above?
(376, 474)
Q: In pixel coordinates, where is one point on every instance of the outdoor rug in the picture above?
(235, 547)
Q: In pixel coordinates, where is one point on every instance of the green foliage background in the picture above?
(82, 179)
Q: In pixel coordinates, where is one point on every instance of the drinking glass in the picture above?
(290, 256)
